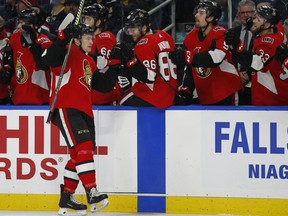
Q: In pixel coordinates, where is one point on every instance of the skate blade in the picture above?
(101, 205)
(64, 212)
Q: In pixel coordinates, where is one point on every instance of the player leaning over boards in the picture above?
(73, 114)
(269, 79)
(154, 78)
(216, 79)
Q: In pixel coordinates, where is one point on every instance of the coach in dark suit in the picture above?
(246, 9)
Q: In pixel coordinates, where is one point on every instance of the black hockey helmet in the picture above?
(212, 8)
(82, 29)
(34, 16)
(137, 19)
(269, 13)
(97, 11)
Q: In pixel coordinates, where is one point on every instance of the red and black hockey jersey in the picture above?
(152, 52)
(270, 83)
(213, 84)
(75, 91)
(29, 85)
(103, 44)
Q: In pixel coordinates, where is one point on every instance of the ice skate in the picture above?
(96, 200)
(67, 202)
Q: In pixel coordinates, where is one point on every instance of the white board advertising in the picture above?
(33, 154)
(220, 153)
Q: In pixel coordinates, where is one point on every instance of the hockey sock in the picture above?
(85, 164)
(71, 178)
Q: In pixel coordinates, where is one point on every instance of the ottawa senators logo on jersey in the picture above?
(87, 78)
(203, 72)
(21, 72)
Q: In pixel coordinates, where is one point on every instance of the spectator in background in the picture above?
(71, 6)
(269, 80)
(246, 10)
(55, 16)
(24, 4)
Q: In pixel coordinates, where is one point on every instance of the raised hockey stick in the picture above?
(67, 20)
(77, 20)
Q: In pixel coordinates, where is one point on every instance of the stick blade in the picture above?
(67, 20)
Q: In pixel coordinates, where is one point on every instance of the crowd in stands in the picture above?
(137, 64)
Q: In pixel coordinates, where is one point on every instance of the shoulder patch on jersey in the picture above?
(143, 41)
(102, 35)
(267, 40)
(219, 28)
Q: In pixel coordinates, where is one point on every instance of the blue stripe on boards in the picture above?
(151, 204)
(151, 159)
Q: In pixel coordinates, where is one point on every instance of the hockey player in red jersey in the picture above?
(154, 78)
(95, 16)
(269, 79)
(73, 113)
(215, 77)
(30, 78)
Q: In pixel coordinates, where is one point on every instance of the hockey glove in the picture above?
(44, 41)
(127, 53)
(249, 23)
(67, 33)
(233, 41)
(177, 56)
(183, 97)
(28, 36)
(121, 54)
(281, 53)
